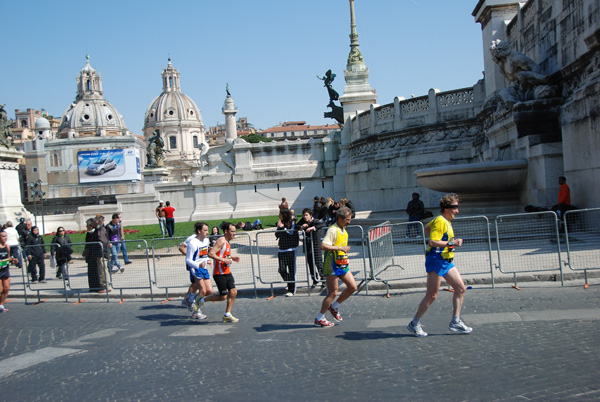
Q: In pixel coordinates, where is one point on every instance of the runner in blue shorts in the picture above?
(196, 258)
(439, 264)
(335, 245)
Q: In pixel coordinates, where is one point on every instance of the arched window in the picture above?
(23, 123)
(170, 82)
(56, 161)
(88, 85)
(196, 144)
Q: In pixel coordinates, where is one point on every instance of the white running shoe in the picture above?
(198, 315)
(416, 329)
(460, 327)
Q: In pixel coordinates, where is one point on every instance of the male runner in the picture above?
(196, 258)
(221, 253)
(335, 245)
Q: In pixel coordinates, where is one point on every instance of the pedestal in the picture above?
(153, 175)
(11, 207)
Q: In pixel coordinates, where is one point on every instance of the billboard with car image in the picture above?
(109, 165)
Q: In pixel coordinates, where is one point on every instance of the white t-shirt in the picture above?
(197, 252)
(12, 236)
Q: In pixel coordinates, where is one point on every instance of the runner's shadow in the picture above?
(371, 335)
(281, 327)
(166, 320)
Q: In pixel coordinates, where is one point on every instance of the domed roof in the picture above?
(90, 112)
(42, 123)
(172, 107)
(91, 115)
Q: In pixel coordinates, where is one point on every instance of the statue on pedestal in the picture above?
(6, 137)
(524, 75)
(337, 112)
(156, 151)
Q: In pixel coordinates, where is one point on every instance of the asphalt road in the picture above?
(537, 343)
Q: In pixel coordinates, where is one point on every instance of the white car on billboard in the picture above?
(101, 166)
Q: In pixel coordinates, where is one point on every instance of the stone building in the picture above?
(179, 121)
(90, 128)
(297, 129)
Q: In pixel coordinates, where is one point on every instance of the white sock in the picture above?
(320, 316)
(227, 314)
(335, 305)
(456, 319)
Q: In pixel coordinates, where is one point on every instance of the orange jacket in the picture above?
(564, 194)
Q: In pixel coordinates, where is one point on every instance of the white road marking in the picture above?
(26, 360)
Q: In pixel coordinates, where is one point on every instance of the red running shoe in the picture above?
(323, 323)
(336, 314)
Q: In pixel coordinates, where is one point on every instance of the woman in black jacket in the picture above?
(287, 235)
(312, 241)
(36, 252)
(61, 250)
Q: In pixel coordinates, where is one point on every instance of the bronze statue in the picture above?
(337, 112)
(6, 136)
(155, 150)
(328, 79)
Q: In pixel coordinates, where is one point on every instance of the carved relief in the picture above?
(413, 106)
(385, 112)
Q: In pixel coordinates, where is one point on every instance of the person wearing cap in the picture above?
(162, 218)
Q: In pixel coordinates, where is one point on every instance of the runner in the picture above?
(5, 260)
(335, 245)
(196, 259)
(438, 265)
(221, 253)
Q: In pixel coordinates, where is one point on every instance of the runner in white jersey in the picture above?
(196, 259)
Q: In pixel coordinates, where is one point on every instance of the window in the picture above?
(172, 142)
(23, 123)
(196, 144)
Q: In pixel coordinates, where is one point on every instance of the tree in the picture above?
(255, 138)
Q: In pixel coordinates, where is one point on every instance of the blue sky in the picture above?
(269, 51)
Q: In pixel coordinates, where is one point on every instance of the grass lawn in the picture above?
(149, 232)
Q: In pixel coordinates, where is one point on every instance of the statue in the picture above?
(227, 89)
(155, 151)
(337, 112)
(524, 75)
(6, 136)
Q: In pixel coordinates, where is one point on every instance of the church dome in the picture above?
(172, 107)
(91, 114)
(41, 123)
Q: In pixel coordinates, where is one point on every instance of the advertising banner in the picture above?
(109, 165)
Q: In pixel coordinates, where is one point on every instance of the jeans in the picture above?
(162, 222)
(170, 226)
(124, 251)
(15, 252)
(114, 256)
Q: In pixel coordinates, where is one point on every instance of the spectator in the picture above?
(100, 235)
(283, 204)
(316, 207)
(13, 241)
(312, 240)
(61, 250)
(23, 234)
(323, 211)
(114, 245)
(248, 226)
(564, 199)
(162, 221)
(287, 235)
(169, 218)
(36, 252)
(415, 210)
(89, 253)
(344, 202)
(123, 246)
(21, 226)
(214, 235)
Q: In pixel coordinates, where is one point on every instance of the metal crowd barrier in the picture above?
(358, 252)
(397, 252)
(582, 237)
(474, 257)
(528, 243)
(83, 272)
(168, 264)
(243, 271)
(135, 275)
(269, 264)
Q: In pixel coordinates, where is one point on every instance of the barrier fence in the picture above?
(528, 243)
(582, 233)
(521, 243)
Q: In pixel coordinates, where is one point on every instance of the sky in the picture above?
(269, 51)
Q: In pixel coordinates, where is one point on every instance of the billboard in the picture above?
(109, 165)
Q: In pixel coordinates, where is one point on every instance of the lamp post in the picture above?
(35, 193)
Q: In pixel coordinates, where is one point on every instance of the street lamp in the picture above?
(35, 193)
